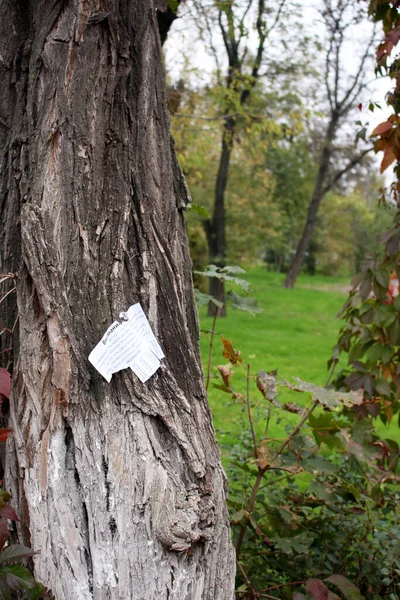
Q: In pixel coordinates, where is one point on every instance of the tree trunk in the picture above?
(215, 227)
(118, 485)
(316, 198)
(165, 17)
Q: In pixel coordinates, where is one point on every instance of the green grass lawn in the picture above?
(294, 334)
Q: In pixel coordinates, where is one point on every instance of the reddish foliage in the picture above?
(3, 532)
(4, 433)
(230, 353)
(8, 513)
(317, 589)
(5, 382)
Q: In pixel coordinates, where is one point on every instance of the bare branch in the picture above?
(356, 160)
(202, 10)
(253, 116)
(338, 44)
(278, 16)
(234, 43)
(327, 63)
(260, 50)
(357, 86)
(245, 12)
(224, 36)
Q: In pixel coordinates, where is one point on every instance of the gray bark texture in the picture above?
(119, 485)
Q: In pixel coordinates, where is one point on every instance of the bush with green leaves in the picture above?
(320, 504)
(370, 336)
(314, 512)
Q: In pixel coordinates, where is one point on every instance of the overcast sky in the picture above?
(185, 50)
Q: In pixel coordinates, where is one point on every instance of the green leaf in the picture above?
(204, 299)
(358, 350)
(37, 592)
(383, 388)
(326, 397)
(211, 271)
(318, 490)
(394, 332)
(379, 353)
(382, 277)
(384, 315)
(222, 274)
(353, 490)
(16, 552)
(5, 591)
(366, 287)
(301, 543)
(249, 305)
(334, 442)
(320, 464)
(284, 545)
(200, 210)
(173, 5)
(17, 577)
(233, 270)
(396, 303)
(238, 516)
(323, 423)
(347, 588)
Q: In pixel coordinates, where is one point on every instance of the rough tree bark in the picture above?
(119, 485)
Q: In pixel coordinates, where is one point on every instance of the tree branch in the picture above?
(354, 91)
(352, 163)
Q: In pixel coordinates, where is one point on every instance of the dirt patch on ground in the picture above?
(343, 288)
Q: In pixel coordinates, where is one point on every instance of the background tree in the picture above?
(119, 485)
(343, 92)
(167, 13)
(291, 165)
(236, 34)
(250, 214)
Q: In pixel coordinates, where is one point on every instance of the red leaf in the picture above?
(384, 50)
(393, 36)
(382, 128)
(5, 382)
(4, 433)
(359, 106)
(317, 589)
(388, 157)
(8, 513)
(3, 532)
(230, 353)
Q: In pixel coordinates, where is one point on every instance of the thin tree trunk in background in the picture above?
(119, 485)
(316, 198)
(215, 227)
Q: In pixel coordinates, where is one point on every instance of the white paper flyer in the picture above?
(128, 343)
